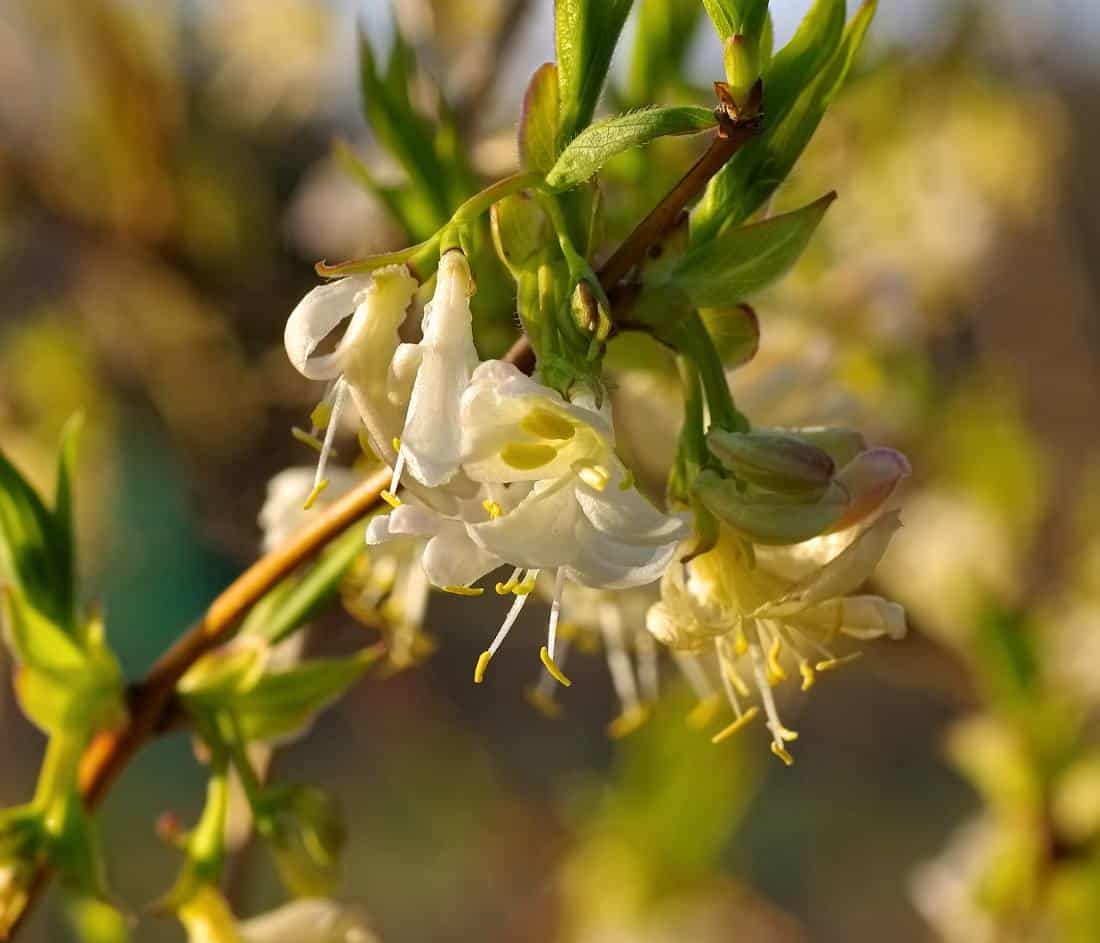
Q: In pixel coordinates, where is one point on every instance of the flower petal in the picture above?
(451, 558)
(314, 319)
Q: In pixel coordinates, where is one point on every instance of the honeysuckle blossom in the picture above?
(767, 611)
(208, 919)
(552, 496)
(407, 394)
(363, 362)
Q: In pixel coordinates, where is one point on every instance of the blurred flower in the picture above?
(207, 918)
(755, 607)
(945, 890)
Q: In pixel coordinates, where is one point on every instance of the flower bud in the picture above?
(774, 460)
(769, 518)
(519, 231)
(742, 61)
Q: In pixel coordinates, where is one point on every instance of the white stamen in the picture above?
(618, 659)
(398, 468)
(509, 621)
(555, 611)
(646, 647)
(724, 666)
(775, 725)
(694, 674)
(338, 397)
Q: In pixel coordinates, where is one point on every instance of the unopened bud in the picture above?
(768, 518)
(774, 460)
(742, 61)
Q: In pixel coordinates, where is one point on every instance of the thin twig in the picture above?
(111, 751)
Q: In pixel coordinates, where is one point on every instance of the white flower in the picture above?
(758, 607)
(431, 439)
(282, 514)
(552, 495)
(207, 918)
(363, 361)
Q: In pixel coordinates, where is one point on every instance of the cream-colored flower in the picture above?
(767, 611)
(208, 919)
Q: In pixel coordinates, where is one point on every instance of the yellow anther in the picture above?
(321, 415)
(464, 590)
(542, 702)
(726, 732)
(775, 670)
(482, 663)
(782, 753)
(740, 643)
(315, 494)
(492, 509)
(808, 676)
(703, 712)
(555, 671)
(503, 589)
(522, 589)
(396, 443)
(628, 481)
(542, 423)
(390, 498)
(735, 679)
(525, 456)
(833, 663)
(628, 721)
(307, 438)
(595, 476)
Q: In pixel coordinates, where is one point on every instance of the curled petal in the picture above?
(843, 574)
(451, 558)
(314, 318)
(860, 617)
(626, 515)
(870, 478)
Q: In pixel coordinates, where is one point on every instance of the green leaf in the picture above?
(63, 515)
(598, 143)
(745, 18)
(538, 125)
(665, 31)
(755, 172)
(60, 686)
(586, 33)
(282, 702)
(743, 261)
(31, 557)
(407, 135)
(809, 50)
(295, 600)
(735, 331)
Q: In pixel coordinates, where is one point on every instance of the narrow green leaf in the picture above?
(538, 126)
(407, 135)
(598, 143)
(809, 50)
(282, 702)
(743, 261)
(298, 598)
(738, 17)
(586, 33)
(64, 528)
(755, 172)
(665, 32)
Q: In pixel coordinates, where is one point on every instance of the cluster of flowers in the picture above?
(496, 471)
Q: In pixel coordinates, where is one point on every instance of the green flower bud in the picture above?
(769, 518)
(774, 460)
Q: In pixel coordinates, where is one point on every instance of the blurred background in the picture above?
(167, 180)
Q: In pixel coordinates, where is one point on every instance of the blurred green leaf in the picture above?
(665, 31)
(294, 601)
(586, 33)
(738, 17)
(755, 172)
(741, 262)
(282, 702)
(33, 552)
(407, 135)
(538, 124)
(598, 143)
